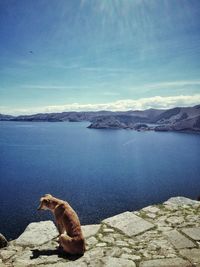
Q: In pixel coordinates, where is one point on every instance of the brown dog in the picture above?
(70, 234)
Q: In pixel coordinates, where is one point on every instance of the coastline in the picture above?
(176, 119)
(151, 128)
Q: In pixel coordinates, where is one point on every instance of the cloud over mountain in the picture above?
(159, 102)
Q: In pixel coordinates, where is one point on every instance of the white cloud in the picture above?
(172, 84)
(159, 102)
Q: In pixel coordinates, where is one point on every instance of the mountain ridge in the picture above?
(174, 119)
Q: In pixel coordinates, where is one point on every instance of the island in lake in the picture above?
(175, 119)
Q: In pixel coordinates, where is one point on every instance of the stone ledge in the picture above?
(165, 235)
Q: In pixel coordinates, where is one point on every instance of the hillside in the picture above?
(175, 119)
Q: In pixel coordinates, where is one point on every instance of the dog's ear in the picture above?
(48, 195)
(43, 202)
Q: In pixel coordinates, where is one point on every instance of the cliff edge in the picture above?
(164, 235)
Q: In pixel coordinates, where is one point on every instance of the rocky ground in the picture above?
(165, 235)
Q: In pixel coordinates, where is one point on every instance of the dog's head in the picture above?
(46, 202)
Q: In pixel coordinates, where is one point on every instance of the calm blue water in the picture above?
(99, 172)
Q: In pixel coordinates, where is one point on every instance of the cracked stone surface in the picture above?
(90, 230)
(163, 235)
(179, 240)
(176, 262)
(37, 234)
(129, 223)
(193, 233)
(191, 254)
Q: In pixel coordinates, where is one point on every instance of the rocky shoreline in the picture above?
(164, 235)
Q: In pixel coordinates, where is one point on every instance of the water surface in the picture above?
(99, 172)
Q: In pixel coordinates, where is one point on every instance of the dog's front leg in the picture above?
(60, 228)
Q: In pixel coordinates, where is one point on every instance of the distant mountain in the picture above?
(6, 117)
(179, 119)
(175, 119)
(64, 116)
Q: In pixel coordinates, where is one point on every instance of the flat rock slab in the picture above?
(65, 264)
(89, 230)
(175, 262)
(180, 201)
(191, 254)
(117, 262)
(2, 264)
(151, 209)
(37, 234)
(129, 223)
(6, 254)
(193, 232)
(27, 259)
(178, 240)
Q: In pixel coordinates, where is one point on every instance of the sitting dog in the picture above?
(70, 234)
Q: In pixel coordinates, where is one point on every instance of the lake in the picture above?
(99, 172)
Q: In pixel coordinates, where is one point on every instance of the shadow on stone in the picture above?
(49, 252)
(3, 241)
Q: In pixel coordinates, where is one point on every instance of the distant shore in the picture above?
(180, 119)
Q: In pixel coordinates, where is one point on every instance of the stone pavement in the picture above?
(165, 235)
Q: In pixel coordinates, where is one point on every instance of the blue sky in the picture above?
(98, 54)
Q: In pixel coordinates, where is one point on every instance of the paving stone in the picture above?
(65, 264)
(180, 201)
(193, 218)
(114, 252)
(191, 254)
(117, 262)
(178, 240)
(175, 220)
(101, 245)
(158, 257)
(193, 232)
(131, 257)
(6, 254)
(70, 264)
(151, 215)
(151, 209)
(2, 264)
(108, 230)
(97, 252)
(129, 223)
(92, 241)
(108, 239)
(127, 250)
(37, 234)
(89, 230)
(27, 259)
(121, 243)
(165, 228)
(174, 262)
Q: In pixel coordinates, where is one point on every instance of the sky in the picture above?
(64, 55)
